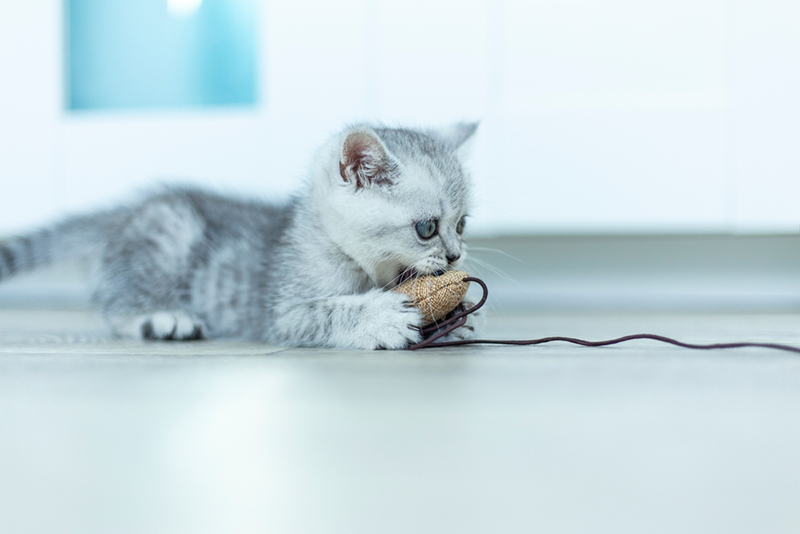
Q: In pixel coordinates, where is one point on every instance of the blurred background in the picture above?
(637, 169)
(641, 139)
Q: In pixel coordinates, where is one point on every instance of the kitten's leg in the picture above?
(146, 275)
(373, 320)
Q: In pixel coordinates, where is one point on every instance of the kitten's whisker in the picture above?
(392, 281)
(495, 270)
(499, 272)
(478, 272)
(496, 251)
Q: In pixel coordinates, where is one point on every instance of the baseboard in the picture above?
(692, 272)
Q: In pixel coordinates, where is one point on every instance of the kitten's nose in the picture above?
(453, 258)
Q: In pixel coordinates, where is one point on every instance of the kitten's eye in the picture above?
(427, 229)
(460, 225)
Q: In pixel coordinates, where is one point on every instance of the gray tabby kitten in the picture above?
(381, 205)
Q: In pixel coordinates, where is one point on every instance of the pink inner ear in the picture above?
(363, 159)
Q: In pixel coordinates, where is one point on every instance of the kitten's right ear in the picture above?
(459, 134)
(364, 160)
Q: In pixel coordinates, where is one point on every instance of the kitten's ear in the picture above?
(364, 160)
(458, 134)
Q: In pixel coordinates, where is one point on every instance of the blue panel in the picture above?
(141, 54)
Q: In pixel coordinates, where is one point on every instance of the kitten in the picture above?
(380, 205)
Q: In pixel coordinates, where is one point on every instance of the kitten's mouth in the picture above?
(409, 272)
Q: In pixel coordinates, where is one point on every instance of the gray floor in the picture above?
(107, 436)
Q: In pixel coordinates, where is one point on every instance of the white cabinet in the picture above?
(765, 115)
(613, 116)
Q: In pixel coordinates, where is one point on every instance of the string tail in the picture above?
(438, 331)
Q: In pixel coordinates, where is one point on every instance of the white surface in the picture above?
(102, 436)
(617, 116)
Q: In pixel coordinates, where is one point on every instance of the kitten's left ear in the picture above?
(364, 160)
(460, 134)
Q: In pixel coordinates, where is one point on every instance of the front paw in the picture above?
(389, 321)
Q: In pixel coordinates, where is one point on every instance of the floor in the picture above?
(105, 436)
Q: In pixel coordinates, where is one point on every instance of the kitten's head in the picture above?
(395, 200)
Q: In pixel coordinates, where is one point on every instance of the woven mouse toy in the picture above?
(435, 296)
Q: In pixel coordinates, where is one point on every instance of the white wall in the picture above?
(614, 116)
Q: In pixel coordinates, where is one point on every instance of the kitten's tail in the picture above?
(74, 238)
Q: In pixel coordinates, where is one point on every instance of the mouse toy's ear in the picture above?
(365, 160)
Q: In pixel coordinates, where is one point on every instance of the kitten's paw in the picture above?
(171, 326)
(390, 321)
(168, 326)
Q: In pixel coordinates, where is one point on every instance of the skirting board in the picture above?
(644, 272)
(600, 272)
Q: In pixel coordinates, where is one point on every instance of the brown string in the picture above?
(458, 318)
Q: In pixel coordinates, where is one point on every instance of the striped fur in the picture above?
(183, 263)
(76, 237)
